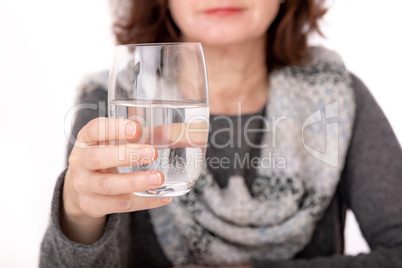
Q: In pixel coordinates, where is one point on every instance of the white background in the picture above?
(47, 46)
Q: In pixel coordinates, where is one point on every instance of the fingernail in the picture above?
(153, 178)
(166, 199)
(131, 129)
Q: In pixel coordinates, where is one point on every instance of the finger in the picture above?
(104, 129)
(99, 205)
(109, 156)
(175, 135)
(116, 184)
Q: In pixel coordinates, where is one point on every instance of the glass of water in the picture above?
(163, 87)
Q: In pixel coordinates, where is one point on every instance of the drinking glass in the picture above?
(163, 87)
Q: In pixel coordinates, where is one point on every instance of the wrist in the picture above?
(80, 227)
(75, 224)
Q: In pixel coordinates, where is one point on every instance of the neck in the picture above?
(237, 73)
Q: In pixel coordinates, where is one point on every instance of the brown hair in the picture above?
(149, 21)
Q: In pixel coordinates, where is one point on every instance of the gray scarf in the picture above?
(310, 108)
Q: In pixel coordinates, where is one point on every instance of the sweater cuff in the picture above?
(71, 249)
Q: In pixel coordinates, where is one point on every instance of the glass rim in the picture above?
(159, 44)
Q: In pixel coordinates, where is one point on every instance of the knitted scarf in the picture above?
(311, 112)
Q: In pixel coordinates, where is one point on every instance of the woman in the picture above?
(287, 214)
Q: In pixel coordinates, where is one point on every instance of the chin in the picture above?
(224, 36)
(228, 36)
(227, 41)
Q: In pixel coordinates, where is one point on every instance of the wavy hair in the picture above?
(149, 21)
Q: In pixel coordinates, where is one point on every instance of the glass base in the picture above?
(168, 190)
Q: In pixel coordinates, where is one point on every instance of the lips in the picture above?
(223, 11)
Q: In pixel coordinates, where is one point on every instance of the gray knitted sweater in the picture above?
(371, 186)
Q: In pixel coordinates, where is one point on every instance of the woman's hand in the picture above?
(93, 188)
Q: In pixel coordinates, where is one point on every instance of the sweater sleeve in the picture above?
(371, 186)
(111, 250)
